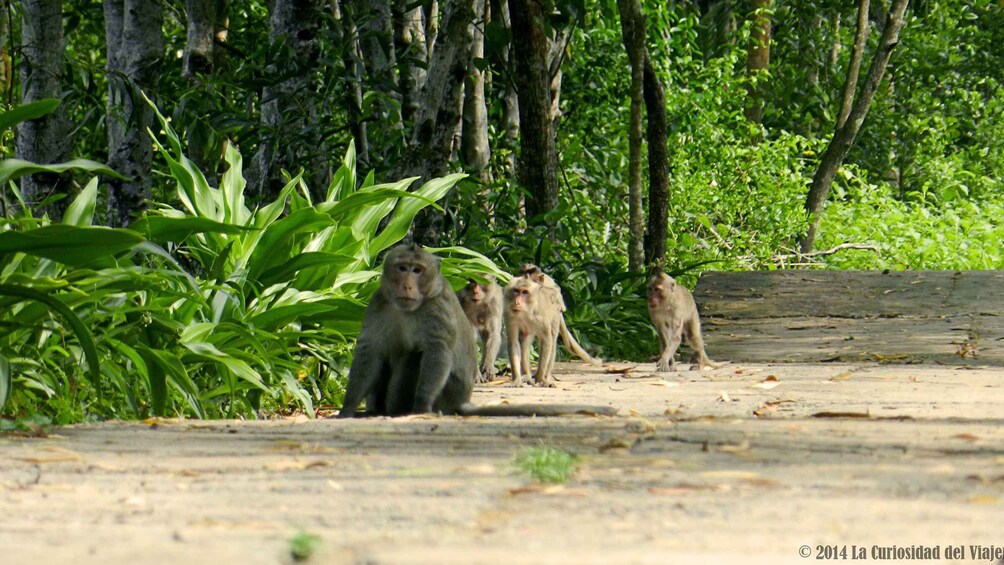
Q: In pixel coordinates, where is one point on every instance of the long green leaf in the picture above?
(162, 229)
(84, 335)
(80, 212)
(321, 311)
(276, 242)
(176, 374)
(237, 367)
(70, 245)
(154, 375)
(333, 261)
(25, 112)
(406, 210)
(343, 182)
(11, 169)
(232, 184)
(369, 218)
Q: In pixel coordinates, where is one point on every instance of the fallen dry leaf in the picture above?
(550, 490)
(744, 446)
(966, 437)
(881, 358)
(984, 499)
(724, 397)
(841, 376)
(298, 465)
(684, 488)
(766, 385)
(661, 382)
(617, 443)
(58, 455)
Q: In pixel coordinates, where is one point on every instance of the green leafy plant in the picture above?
(303, 545)
(547, 464)
(211, 308)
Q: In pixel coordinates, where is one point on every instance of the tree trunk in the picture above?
(438, 116)
(510, 109)
(206, 23)
(6, 69)
(758, 60)
(439, 111)
(199, 55)
(633, 32)
(474, 140)
(843, 137)
(537, 165)
(557, 44)
(658, 167)
(411, 55)
(345, 27)
(45, 140)
(854, 67)
(135, 49)
(289, 108)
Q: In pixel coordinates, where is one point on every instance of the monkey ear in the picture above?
(539, 278)
(490, 278)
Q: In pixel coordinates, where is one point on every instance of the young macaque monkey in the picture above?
(482, 303)
(416, 352)
(534, 309)
(551, 290)
(673, 312)
(545, 280)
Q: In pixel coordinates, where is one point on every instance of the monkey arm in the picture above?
(363, 375)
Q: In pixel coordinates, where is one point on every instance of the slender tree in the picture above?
(758, 59)
(474, 140)
(658, 167)
(633, 31)
(200, 21)
(844, 135)
(411, 54)
(135, 47)
(537, 167)
(289, 108)
(47, 139)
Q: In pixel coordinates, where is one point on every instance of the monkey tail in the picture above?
(532, 410)
(574, 347)
(706, 362)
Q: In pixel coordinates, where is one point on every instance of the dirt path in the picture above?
(703, 467)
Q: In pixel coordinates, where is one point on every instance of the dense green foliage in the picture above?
(210, 306)
(206, 310)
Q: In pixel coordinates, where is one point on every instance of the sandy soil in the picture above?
(748, 463)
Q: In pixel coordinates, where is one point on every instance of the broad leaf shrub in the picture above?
(207, 308)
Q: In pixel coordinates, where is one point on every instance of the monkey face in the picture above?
(519, 298)
(478, 291)
(660, 288)
(410, 275)
(406, 286)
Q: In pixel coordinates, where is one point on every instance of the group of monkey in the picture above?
(417, 350)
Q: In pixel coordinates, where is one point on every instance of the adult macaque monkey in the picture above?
(673, 312)
(416, 352)
(482, 303)
(534, 309)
